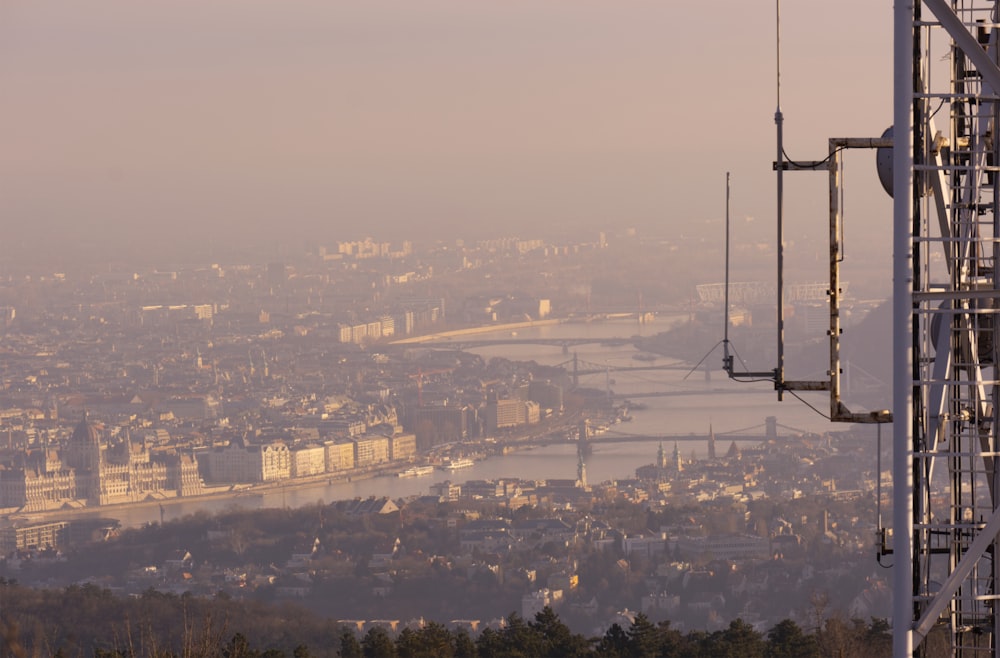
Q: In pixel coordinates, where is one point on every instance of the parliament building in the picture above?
(90, 471)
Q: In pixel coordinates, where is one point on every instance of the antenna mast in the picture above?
(727, 359)
(832, 165)
(946, 398)
(946, 329)
(779, 122)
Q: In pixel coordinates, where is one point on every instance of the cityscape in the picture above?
(127, 390)
(499, 330)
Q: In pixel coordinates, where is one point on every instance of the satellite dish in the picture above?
(883, 163)
(984, 335)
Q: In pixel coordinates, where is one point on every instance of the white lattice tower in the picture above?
(946, 406)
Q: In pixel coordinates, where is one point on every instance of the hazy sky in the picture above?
(144, 124)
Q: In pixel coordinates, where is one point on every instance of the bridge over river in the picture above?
(766, 431)
(460, 343)
(575, 366)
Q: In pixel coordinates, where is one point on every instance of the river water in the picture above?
(701, 403)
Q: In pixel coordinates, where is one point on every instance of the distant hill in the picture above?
(866, 354)
(866, 358)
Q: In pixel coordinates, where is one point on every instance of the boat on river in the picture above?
(457, 464)
(415, 472)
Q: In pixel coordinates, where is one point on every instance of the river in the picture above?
(723, 405)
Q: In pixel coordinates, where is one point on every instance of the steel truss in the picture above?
(946, 296)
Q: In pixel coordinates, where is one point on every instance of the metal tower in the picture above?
(946, 399)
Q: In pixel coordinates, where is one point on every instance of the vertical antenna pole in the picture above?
(902, 331)
(727, 361)
(779, 371)
(878, 486)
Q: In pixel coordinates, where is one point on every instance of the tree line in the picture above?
(547, 636)
(89, 620)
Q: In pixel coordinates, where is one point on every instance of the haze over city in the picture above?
(190, 130)
(368, 323)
